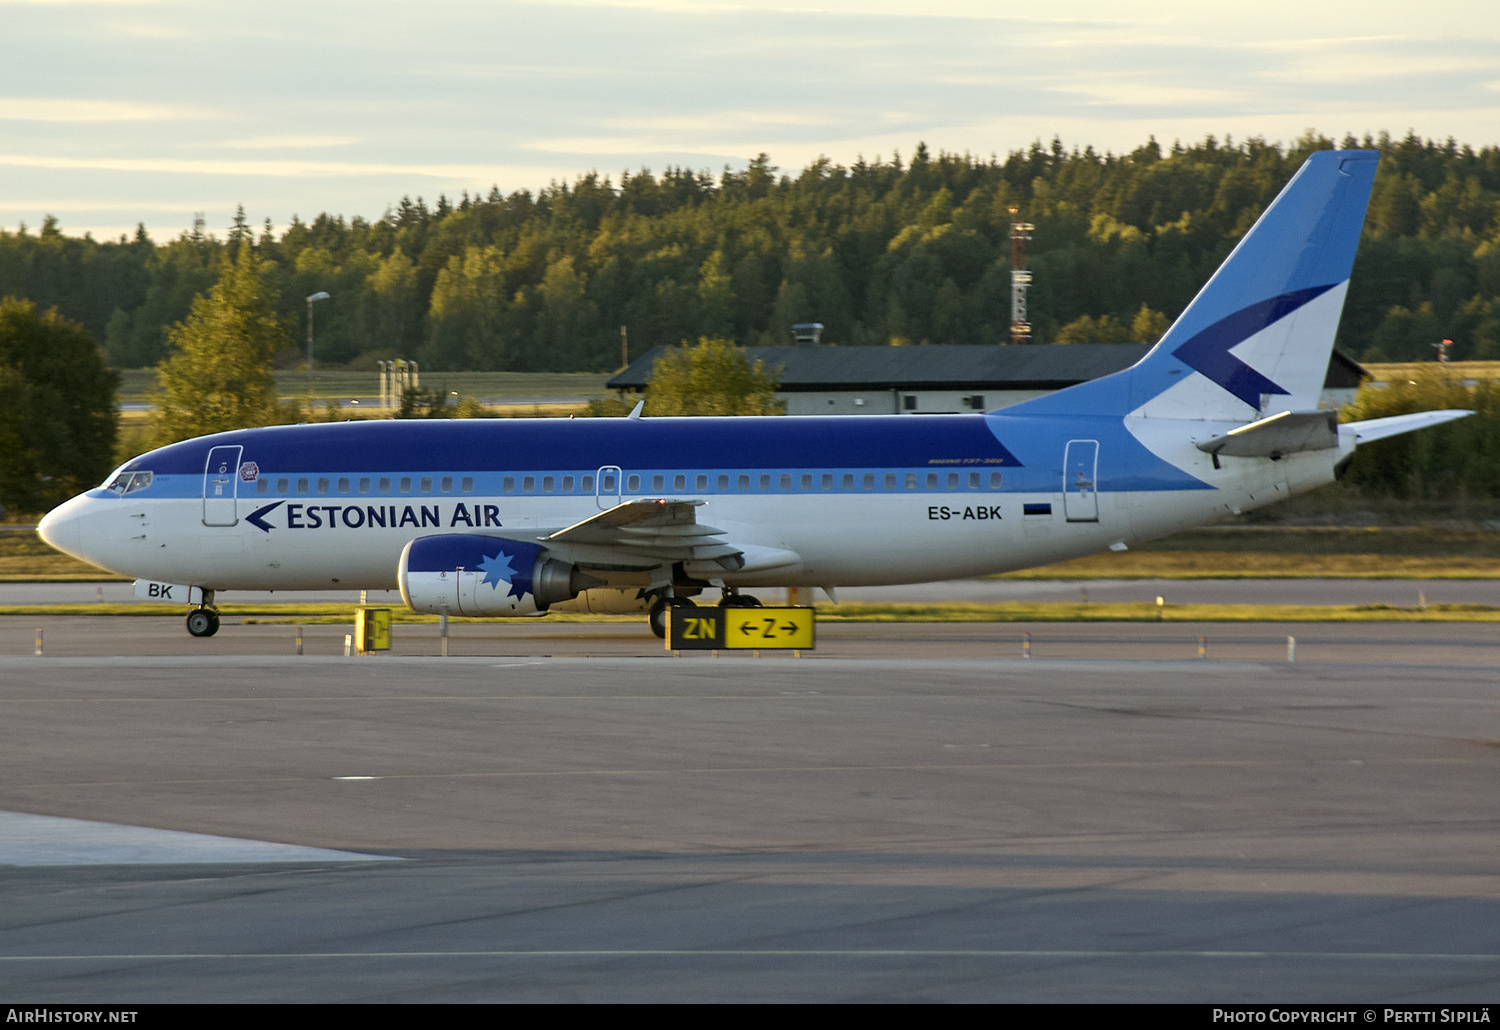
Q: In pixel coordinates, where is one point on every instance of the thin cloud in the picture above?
(58, 109)
(272, 169)
(309, 142)
(1114, 92)
(1355, 68)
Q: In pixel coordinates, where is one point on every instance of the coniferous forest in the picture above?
(895, 250)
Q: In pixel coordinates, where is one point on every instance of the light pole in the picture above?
(320, 295)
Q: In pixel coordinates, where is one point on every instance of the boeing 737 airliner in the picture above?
(511, 517)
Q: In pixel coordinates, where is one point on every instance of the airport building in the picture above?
(946, 379)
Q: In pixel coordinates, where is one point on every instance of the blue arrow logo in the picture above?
(254, 518)
(1208, 352)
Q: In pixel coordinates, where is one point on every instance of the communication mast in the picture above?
(1020, 278)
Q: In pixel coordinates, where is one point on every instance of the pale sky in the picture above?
(114, 112)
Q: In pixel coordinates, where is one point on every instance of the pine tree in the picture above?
(219, 373)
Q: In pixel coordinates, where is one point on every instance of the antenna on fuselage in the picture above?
(635, 412)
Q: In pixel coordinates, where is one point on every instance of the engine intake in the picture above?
(469, 574)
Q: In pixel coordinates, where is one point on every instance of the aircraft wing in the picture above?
(651, 530)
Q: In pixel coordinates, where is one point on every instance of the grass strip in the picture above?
(1145, 611)
(1262, 565)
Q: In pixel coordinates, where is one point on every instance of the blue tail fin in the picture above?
(1258, 336)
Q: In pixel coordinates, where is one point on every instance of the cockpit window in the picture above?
(129, 482)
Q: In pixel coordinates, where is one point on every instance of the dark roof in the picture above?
(991, 367)
(924, 368)
(1344, 372)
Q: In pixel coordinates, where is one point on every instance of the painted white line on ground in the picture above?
(45, 840)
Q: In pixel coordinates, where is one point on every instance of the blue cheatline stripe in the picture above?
(1027, 451)
(512, 486)
(553, 445)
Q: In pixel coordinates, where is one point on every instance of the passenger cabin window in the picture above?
(385, 484)
(633, 483)
(994, 480)
(467, 484)
(828, 481)
(427, 484)
(322, 486)
(848, 481)
(567, 486)
(508, 484)
(679, 482)
(364, 485)
(406, 484)
(744, 482)
(548, 484)
(343, 486)
(973, 480)
(890, 480)
(765, 481)
(723, 482)
(281, 486)
(869, 480)
(807, 480)
(932, 481)
(302, 486)
(911, 480)
(700, 482)
(447, 484)
(786, 480)
(657, 483)
(607, 482)
(528, 484)
(588, 484)
(263, 486)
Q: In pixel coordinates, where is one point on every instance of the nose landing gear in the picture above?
(203, 621)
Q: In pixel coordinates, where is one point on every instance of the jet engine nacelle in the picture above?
(607, 601)
(470, 574)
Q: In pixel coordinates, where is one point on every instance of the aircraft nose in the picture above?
(62, 527)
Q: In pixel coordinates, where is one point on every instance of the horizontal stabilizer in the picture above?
(1286, 433)
(1395, 425)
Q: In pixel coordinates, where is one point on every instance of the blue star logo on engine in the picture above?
(497, 570)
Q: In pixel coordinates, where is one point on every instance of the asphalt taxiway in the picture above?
(879, 820)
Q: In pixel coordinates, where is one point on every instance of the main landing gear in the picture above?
(731, 599)
(203, 621)
(659, 608)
